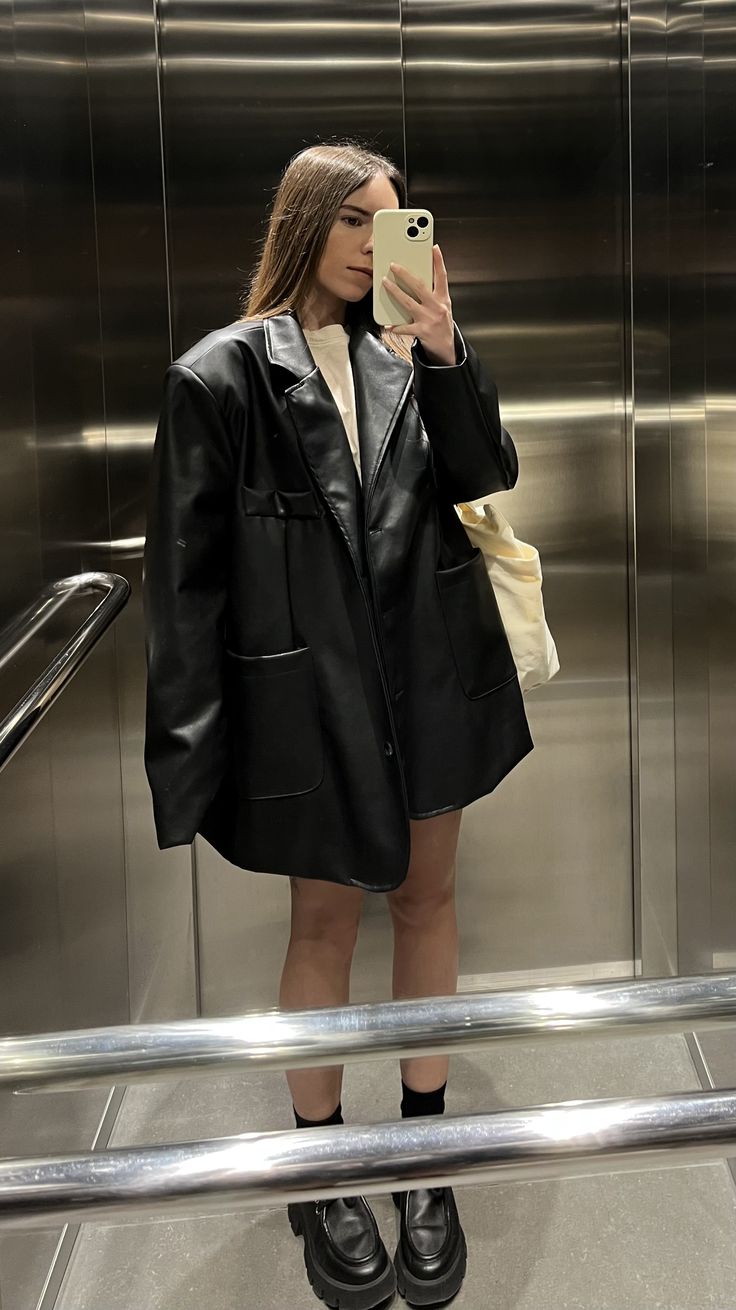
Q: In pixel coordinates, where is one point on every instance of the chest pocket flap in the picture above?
(274, 503)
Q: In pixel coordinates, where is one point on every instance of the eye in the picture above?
(350, 218)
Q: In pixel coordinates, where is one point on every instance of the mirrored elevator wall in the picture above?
(680, 66)
(579, 160)
(515, 138)
(95, 922)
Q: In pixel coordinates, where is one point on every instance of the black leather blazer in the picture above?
(325, 659)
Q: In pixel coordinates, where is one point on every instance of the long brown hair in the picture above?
(307, 201)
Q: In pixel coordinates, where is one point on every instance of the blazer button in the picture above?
(388, 747)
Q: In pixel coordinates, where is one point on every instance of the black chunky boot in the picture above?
(431, 1256)
(347, 1263)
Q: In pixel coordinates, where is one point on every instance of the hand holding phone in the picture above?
(419, 305)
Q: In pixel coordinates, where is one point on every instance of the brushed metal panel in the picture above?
(514, 139)
(652, 583)
(244, 87)
(719, 167)
(123, 72)
(72, 493)
(26, 859)
(719, 177)
(689, 491)
(61, 864)
(514, 136)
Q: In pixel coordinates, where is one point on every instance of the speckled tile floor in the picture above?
(663, 1240)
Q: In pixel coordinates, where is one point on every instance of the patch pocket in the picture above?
(474, 626)
(274, 723)
(273, 503)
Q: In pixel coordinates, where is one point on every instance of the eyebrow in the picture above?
(357, 209)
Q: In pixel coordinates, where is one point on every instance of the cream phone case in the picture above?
(400, 236)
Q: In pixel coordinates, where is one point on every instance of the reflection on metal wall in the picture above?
(682, 60)
(651, 578)
(514, 138)
(136, 348)
(719, 169)
(701, 62)
(63, 951)
(241, 94)
(513, 133)
(85, 343)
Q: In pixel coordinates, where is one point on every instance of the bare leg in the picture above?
(425, 931)
(324, 929)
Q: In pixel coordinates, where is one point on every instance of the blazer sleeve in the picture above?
(473, 453)
(185, 566)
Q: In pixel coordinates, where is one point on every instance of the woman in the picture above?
(329, 681)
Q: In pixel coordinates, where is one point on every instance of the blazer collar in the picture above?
(381, 381)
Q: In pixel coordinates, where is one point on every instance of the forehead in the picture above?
(378, 193)
(366, 213)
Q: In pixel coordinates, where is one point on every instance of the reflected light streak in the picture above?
(574, 1002)
(560, 410)
(351, 27)
(343, 63)
(562, 1125)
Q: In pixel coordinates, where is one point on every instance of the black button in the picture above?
(388, 747)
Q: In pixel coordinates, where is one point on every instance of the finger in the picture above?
(440, 271)
(403, 298)
(403, 329)
(414, 283)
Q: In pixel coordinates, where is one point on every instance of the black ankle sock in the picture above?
(334, 1118)
(415, 1104)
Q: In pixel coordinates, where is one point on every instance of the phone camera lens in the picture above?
(412, 231)
(422, 221)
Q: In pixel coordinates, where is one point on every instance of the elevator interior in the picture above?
(578, 158)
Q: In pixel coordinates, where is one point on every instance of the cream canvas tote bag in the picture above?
(515, 571)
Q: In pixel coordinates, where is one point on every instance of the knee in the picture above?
(328, 923)
(417, 903)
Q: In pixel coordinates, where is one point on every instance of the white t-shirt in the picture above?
(329, 346)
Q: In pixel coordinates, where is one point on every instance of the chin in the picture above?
(349, 291)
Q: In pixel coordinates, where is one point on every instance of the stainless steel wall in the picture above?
(719, 340)
(135, 344)
(682, 229)
(63, 958)
(96, 924)
(511, 129)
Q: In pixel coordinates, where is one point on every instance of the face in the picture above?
(350, 247)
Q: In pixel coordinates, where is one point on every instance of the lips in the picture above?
(367, 271)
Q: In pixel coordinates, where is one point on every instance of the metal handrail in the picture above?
(30, 709)
(278, 1039)
(256, 1169)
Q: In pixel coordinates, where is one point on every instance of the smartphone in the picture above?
(400, 236)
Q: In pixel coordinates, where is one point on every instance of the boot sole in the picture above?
(426, 1291)
(342, 1296)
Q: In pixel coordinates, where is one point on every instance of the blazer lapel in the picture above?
(381, 382)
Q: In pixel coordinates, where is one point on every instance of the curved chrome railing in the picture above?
(277, 1039)
(39, 698)
(258, 1169)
